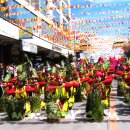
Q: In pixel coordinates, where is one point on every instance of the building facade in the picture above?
(38, 23)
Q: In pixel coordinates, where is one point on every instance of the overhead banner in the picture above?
(26, 34)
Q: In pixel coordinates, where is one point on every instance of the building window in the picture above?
(34, 3)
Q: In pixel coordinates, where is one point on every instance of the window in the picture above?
(34, 3)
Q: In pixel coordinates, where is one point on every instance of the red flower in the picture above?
(111, 71)
(75, 72)
(54, 83)
(76, 84)
(89, 75)
(68, 85)
(35, 89)
(82, 61)
(52, 75)
(112, 59)
(13, 80)
(51, 88)
(108, 81)
(10, 85)
(43, 73)
(98, 74)
(91, 65)
(122, 59)
(110, 76)
(120, 73)
(29, 89)
(101, 60)
(102, 70)
(124, 67)
(90, 81)
(102, 92)
(128, 64)
(85, 69)
(41, 84)
(84, 79)
(11, 91)
(127, 79)
(81, 73)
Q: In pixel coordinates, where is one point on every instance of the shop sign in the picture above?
(56, 48)
(25, 34)
(29, 47)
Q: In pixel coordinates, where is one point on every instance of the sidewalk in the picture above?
(122, 111)
(117, 121)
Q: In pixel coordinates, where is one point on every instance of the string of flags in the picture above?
(49, 32)
(62, 7)
(104, 12)
(116, 17)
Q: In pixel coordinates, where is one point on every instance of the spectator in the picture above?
(1, 71)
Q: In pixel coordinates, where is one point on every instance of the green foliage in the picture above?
(121, 88)
(15, 109)
(78, 95)
(70, 58)
(3, 104)
(54, 70)
(69, 71)
(94, 109)
(81, 69)
(63, 73)
(128, 60)
(62, 64)
(28, 61)
(20, 68)
(52, 111)
(7, 77)
(106, 65)
(127, 98)
(35, 102)
(40, 67)
(22, 77)
(49, 96)
(33, 73)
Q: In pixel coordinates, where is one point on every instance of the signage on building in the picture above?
(56, 48)
(118, 44)
(25, 34)
(29, 47)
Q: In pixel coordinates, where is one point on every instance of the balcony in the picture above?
(66, 1)
(66, 16)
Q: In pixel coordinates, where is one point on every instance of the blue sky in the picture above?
(117, 29)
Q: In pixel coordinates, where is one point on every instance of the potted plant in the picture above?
(94, 109)
(121, 83)
(52, 109)
(16, 109)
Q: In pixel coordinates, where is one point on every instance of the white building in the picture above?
(38, 23)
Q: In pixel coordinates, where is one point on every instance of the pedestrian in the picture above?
(1, 71)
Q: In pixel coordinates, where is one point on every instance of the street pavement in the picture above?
(116, 118)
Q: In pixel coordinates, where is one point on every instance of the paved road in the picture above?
(121, 110)
(119, 119)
